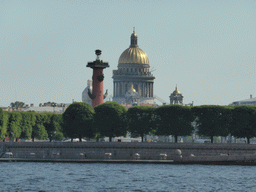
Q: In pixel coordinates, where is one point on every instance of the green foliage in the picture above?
(53, 104)
(39, 130)
(54, 130)
(14, 125)
(173, 120)
(244, 122)
(27, 123)
(48, 124)
(58, 136)
(17, 104)
(212, 120)
(77, 120)
(140, 120)
(3, 123)
(110, 120)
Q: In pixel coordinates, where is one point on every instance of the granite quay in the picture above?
(129, 152)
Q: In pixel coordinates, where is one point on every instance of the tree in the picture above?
(17, 104)
(3, 123)
(53, 104)
(140, 120)
(14, 125)
(48, 124)
(212, 120)
(77, 120)
(173, 120)
(39, 130)
(110, 120)
(244, 122)
(54, 129)
(27, 123)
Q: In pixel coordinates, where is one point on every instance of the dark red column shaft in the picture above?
(97, 87)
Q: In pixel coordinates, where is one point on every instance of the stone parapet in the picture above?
(182, 152)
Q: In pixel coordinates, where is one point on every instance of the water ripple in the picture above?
(73, 177)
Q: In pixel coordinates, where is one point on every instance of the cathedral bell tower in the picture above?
(176, 97)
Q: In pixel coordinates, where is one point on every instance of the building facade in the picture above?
(85, 96)
(133, 73)
(176, 97)
(251, 101)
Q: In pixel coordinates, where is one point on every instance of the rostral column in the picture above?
(98, 65)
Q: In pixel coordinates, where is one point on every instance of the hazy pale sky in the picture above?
(206, 47)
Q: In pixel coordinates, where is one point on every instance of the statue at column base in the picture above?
(106, 94)
(91, 95)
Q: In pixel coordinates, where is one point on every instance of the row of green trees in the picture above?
(27, 125)
(110, 119)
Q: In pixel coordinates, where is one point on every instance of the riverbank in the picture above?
(157, 153)
(205, 162)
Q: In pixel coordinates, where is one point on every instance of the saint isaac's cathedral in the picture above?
(133, 81)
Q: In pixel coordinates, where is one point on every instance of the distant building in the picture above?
(176, 97)
(251, 101)
(7, 108)
(46, 107)
(133, 73)
(15, 109)
(85, 96)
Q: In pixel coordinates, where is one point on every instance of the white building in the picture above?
(85, 96)
(251, 101)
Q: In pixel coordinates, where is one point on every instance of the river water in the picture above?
(65, 177)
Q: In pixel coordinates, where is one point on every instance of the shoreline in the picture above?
(135, 153)
(120, 161)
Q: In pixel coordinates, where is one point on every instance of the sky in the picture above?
(206, 48)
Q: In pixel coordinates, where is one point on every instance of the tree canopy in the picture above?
(14, 125)
(55, 132)
(212, 120)
(39, 130)
(140, 120)
(173, 120)
(244, 122)
(17, 104)
(27, 123)
(77, 120)
(3, 123)
(53, 104)
(48, 124)
(110, 120)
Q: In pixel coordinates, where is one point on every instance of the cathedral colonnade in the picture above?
(144, 89)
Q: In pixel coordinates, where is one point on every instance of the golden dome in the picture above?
(176, 91)
(134, 55)
(132, 90)
(133, 34)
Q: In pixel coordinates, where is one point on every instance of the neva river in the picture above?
(18, 176)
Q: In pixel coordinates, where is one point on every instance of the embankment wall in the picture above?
(119, 150)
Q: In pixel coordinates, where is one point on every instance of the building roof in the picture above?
(251, 101)
(47, 109)
(176, 91)
(134, 54)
